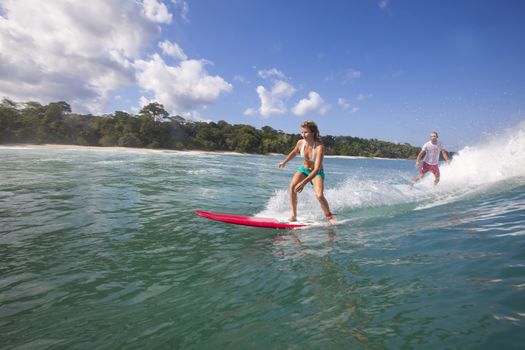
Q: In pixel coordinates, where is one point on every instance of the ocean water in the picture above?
(100, 249)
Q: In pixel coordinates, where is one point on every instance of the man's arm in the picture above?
(421, 154)
(445, 155)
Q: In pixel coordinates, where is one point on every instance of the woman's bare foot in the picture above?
(292, 218)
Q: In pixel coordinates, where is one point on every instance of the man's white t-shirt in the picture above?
(432, 152)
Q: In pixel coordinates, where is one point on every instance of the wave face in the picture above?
(498, 164)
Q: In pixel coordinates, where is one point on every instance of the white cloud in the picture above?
(271, 73)
(274, 101)
(346, 106)
(383, 3)
(184, 9)
(180, 88)
(156, 11)
(144, 101)
(250, 112)
(173, 50)
(351, 75)
(343, 103)
(79, 52)
(313, 104)
(240, 79)
(53, 50)
(363, 97)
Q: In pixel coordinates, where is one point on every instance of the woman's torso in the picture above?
(309, 154)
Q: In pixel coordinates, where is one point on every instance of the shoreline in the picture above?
(107, 149)
(162, 150)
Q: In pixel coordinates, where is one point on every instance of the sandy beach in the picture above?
(110, 149)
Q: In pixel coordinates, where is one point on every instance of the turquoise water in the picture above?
(101, 249)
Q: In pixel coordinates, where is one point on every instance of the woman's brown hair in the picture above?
(313, 128)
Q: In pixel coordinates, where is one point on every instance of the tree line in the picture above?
(153, 127)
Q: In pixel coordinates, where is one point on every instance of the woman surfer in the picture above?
(311, 148)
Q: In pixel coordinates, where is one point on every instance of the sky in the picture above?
(392, 70)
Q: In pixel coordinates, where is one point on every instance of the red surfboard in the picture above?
(249, 220)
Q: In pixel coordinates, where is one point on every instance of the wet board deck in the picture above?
(249, 220)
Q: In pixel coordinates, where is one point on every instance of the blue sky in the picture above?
(387, 69)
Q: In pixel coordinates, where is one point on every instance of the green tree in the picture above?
(8, 120)
(247, 139)
(129, 140)
(154, 111)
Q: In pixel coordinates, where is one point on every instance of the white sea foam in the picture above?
(475, 169)
(498, 159)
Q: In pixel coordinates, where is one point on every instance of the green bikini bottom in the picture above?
(302, 169)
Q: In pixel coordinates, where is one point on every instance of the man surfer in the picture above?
(431, 151)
